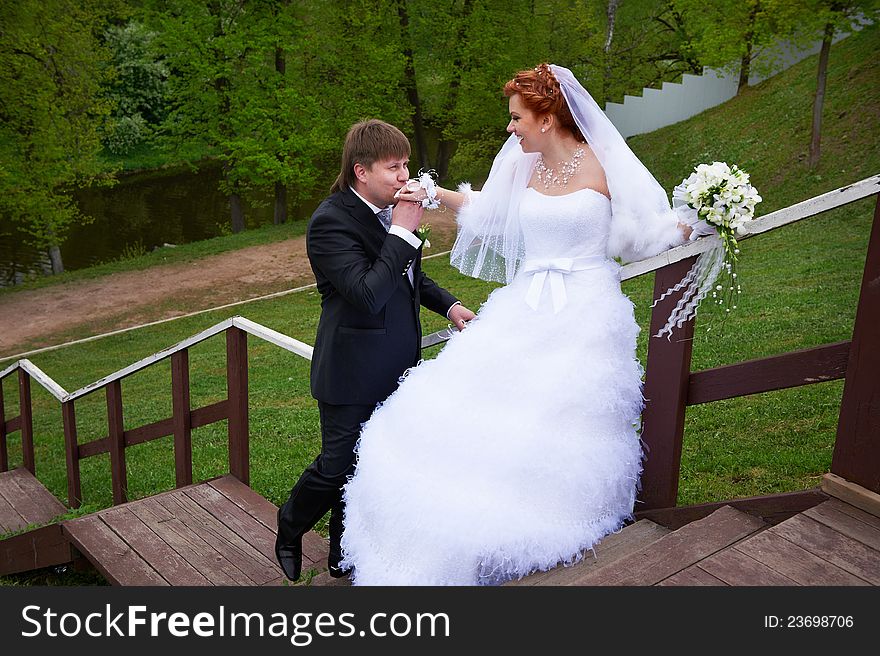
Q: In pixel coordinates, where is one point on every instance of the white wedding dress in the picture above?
(516, 448)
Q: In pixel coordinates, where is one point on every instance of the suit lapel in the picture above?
(363, 214)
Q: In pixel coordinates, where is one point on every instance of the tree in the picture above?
(802, 23)
(139, 88)
(731, 33)
(830, 16)
(52, 108)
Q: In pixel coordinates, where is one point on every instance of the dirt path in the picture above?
(122, 300)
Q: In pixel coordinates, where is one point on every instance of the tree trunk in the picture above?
(280, 214)
(412, 90)
(237, 212)
(744, 69)
(819, 99)
(609, 36)
(447, 146)
(746, 64)
(609, 30)
(280, 203)
(444, 155)
(55, 258)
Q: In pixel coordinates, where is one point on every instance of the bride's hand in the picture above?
(411, 192)
(686, 230)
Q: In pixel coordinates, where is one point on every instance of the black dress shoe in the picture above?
(290, 558)
(333, 567)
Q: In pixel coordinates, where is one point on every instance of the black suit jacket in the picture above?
(369, 332)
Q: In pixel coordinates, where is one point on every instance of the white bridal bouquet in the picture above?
(716, 200)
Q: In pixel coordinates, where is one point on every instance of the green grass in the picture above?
(800, 286)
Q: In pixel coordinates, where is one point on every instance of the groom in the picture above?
(367, 263)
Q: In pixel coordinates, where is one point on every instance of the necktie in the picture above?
(385, 217)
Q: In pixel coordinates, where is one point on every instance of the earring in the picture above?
(543, 129)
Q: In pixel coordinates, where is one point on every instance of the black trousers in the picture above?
(319, 488)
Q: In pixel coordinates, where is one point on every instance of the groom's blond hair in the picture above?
(368, 142)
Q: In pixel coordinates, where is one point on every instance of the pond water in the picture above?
(141, 212)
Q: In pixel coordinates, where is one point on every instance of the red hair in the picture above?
(540, 92)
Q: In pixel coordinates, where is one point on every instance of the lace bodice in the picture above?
(572, 225)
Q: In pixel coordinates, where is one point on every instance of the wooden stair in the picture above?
(219, 532)
(832, 543)
(25, 502)
(648, 554)
(612, 548)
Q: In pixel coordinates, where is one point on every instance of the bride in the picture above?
(517, 447)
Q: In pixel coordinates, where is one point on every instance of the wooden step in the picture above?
(612, 548)
(832, 543)
(677, 550)
(810, 552)
(215, 533)
(24, 501)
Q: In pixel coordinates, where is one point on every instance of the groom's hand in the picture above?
(407, 215)
(459, 315)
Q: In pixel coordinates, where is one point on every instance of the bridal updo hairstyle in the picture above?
(540, 92)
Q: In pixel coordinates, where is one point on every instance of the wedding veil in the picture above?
(489, 244)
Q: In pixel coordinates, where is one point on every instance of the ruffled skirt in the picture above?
(514, 450)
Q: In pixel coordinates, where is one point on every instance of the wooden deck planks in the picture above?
(692, 576)
(10, 518)
(837, 548)
(27, 498)
(109, 553)
(237, 557)
(613, 547)
(237, 520)
(678, 550)
(315, 547)
(215, 533)
(191, 548)
(795, 562)
(849, 521)
(736, 568)
(151, 547)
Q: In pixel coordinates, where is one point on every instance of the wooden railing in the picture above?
(181, 423)
(670, 385)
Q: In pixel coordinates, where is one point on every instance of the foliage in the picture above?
(139, 86)
(52, 68)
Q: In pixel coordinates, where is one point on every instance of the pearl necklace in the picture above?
(551, 178)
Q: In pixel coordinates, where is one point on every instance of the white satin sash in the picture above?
(555, 269)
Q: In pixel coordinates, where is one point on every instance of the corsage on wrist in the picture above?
(426, 181)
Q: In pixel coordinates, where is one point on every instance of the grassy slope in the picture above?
(800, 286)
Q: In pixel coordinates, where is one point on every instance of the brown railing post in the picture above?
(71, 449)
(665, 391)
(237, 389)
(857, 448)
(27, 420)
(117, 442)
(4, 453)
(182, 418)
